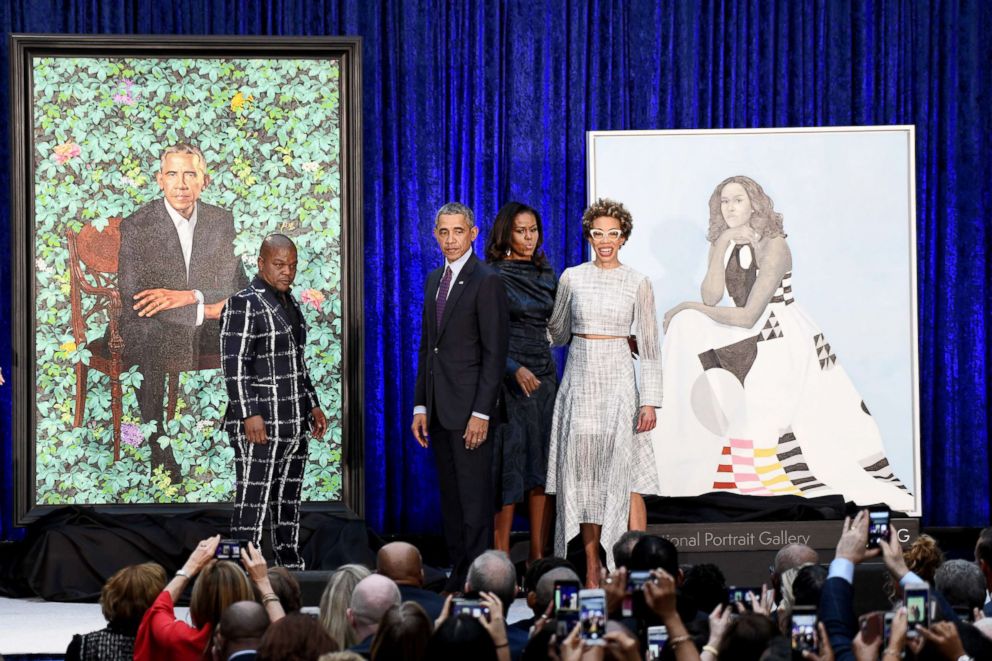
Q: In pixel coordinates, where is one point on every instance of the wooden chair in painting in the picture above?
(93, 271)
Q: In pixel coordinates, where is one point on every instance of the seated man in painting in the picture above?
(176, 269)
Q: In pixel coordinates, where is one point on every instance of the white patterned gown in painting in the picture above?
(596, 459)
(765, 410)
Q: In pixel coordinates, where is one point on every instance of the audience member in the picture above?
(373, 596)
(124, 599)
(346, 655)
(296, 637)
(287, 588)
(983, 556)
(540, 599)
(494, 572)
(462, 638)
(747, 637)
(653, 552)
(220, 584)
(402, 563)
(808, 585)
(791, 556)
(924, 557)
(705, 586)
(403, 633)
(240, 631)
(335, 600)
(624, 546)
(962, 584)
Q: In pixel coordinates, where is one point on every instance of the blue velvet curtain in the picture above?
(486, 101)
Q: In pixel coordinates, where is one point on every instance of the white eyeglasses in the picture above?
(600, 235)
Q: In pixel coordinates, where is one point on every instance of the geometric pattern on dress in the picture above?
(790, 455)
(771, 330)
(736, 358)
(877, 465)
(761, 472)
(823, 353)
(784, 292)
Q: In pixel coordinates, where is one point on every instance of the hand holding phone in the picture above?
(470, 608)
(917, 607)
(878, 527)
(805, 636)
(657, 637)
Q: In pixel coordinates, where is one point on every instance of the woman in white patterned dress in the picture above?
(601, 459)
(759, 404)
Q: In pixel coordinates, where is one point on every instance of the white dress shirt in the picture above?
(456, 268)
(185, 228)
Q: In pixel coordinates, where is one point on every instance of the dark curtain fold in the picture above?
(486, 101)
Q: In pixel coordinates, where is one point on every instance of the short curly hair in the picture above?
(766, 221)
(131, 591)
(604, 206)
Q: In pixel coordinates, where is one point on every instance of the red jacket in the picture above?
(162, 636)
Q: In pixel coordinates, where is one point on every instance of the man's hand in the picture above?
(319, 423)
(646, 419)
(213, 310)
(892, 554)
(419, 429)
(659, 594)
(526, 380)
(150, 302)
(615, 586)
(255, 430)
(854, 539)
(475, 432)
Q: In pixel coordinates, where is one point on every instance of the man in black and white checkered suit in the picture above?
(273, 405)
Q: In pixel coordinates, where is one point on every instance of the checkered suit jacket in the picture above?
(264, 368)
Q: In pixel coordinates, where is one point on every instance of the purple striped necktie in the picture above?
(442, 295)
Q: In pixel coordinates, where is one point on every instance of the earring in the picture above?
(508, 252)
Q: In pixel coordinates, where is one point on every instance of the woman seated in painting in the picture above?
(757, 401)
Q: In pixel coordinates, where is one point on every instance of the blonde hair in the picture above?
(220, 584)
(335, 601)
(924, 557)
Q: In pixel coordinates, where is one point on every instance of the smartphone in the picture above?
(917, 607)
(566, 607)
(469, 608)
(887, 627)
(803, 625)
(739, 595)
(229, 549)
(878, 527)
(657, 637)
(635, 583)
(592, 616)
(871, 627)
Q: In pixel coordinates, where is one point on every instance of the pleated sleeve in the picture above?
(648, 344)
(560, 323)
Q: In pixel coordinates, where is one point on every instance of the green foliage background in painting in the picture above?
(270, 130)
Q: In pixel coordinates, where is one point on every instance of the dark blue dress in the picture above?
(520, 460)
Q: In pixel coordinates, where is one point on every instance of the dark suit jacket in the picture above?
(151, 257)
(837, 614)
(264, 367)
(431, 601)
(462, 358)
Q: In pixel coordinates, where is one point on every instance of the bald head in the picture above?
(242, 626)
(371, 599)
(546, 587)
(402, 563)
(793, 556)
(275, 242)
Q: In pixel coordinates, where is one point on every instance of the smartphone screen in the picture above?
(229, 549)
(736, 594)
(592, 616)
(917, 607)
(635, 583)
(657, 637)
(566, 597)
(804, 631)
(878, 527)
(470, 608)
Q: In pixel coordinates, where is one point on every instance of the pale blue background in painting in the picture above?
(846, 199)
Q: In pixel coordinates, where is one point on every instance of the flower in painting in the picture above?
(125, 98)
(131, 435)
(42, 266)
(67, 347)
(240, 100)
(311, 166)
(66, 151)
(313, 297)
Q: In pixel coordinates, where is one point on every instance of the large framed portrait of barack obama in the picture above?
(146, 172)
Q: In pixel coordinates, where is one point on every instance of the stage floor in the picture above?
(33, 626)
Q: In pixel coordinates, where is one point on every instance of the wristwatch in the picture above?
(182, 572)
